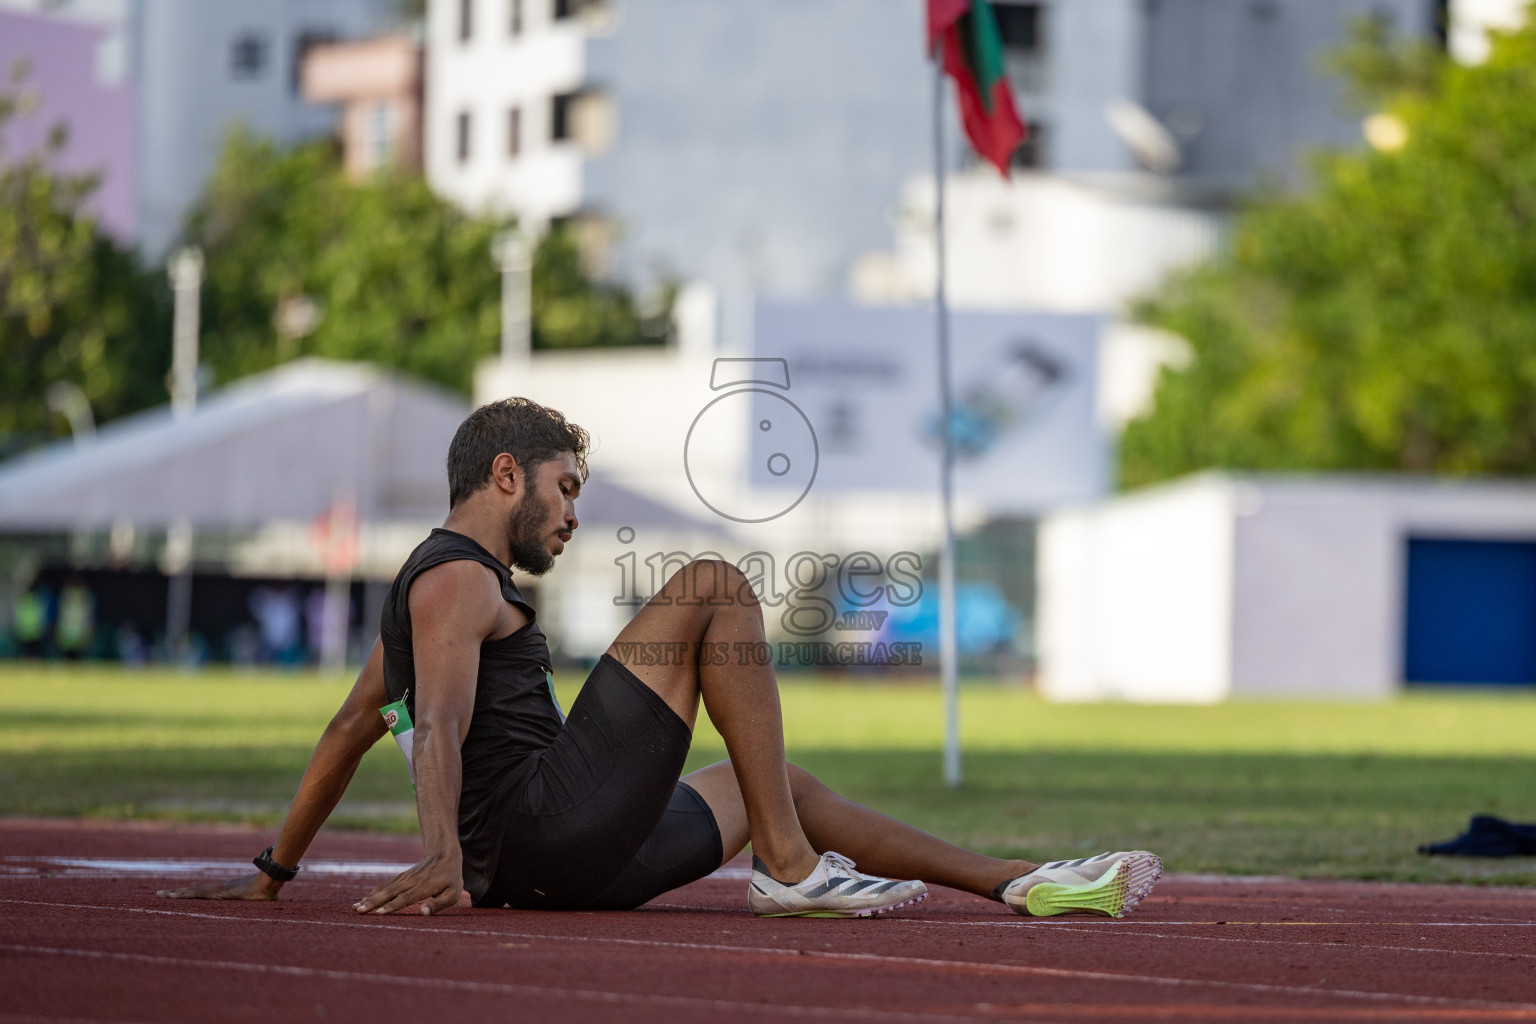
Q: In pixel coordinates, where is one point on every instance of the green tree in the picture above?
(399, 276)
(74, 306)
(570, 310)
(1385, 320)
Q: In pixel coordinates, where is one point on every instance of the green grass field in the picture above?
(1306, 789)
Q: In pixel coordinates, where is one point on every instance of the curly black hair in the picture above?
(531, 433)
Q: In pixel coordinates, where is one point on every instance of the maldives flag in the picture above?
(973, 57)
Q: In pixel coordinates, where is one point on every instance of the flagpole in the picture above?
(948, 648)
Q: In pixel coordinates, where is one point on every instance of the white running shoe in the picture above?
(1110, 885)
(834, 889)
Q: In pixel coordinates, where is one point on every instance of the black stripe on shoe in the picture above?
(825, 887)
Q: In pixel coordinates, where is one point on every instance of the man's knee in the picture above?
(711, 581)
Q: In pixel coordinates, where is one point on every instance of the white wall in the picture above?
(1135, 597)
(1253, 586)
(1321, 573)
(1041, 242)
(1096, 57)
(1317, 591)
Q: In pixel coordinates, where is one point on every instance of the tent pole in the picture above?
(948, 648)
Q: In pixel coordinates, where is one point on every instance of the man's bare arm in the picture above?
(454, 608)
(355, 727)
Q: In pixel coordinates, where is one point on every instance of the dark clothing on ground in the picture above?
(580, 814)
(1487, 836)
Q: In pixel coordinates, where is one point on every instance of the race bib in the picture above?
(398, 718)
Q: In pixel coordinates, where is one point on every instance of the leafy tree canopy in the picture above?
(1385, 320)
(74, 306)
(396, 275)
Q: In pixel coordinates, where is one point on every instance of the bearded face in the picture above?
(528, 528)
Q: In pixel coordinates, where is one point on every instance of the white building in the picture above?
(767, 145)
(1221, 586)
(496, 72)
(755, 144)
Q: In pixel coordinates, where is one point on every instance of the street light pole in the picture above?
(514, 256)
(186, 273)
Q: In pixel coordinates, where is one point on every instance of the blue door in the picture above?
(1471, 612)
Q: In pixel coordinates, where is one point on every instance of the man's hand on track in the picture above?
(434, 883)
(254, 886)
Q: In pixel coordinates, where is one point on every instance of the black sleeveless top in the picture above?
(515, 713)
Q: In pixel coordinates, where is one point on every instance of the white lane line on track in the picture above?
(1293, 942)
(168, 867)
(1116, 929)
(492, 987)
(1017, 970)
(1116, 925)
(33, 1018)
(1340, 912)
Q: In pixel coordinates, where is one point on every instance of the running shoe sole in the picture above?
(1115, 894)
(860, 912)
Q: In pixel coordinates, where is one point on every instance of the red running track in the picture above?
(84, 938)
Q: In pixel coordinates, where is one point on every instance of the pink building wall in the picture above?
(99, 116)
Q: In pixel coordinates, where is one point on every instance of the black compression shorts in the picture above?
(599, 820)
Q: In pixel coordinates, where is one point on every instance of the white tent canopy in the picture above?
(276, 446)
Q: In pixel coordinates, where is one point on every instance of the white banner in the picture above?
(865, 380)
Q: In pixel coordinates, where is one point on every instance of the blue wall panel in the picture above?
(1471, 612)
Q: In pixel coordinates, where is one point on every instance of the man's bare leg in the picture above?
(707, 608)
(878, 844)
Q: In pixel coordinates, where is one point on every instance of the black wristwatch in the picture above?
(271, 868)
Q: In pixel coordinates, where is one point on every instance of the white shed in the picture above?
(1223, 585)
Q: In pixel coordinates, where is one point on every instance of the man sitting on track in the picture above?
(522, 806)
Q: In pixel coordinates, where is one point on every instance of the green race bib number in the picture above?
(398, 718)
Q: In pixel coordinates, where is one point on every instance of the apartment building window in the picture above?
(381, 134)
(1019, 26)
(466, 20)
(564, 9)
(514, 131)
(1022, 30)
(461, 136)
(248, 56)
(516, 19)
(560, 116)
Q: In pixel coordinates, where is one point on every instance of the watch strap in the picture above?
(271, 868)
